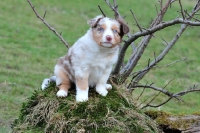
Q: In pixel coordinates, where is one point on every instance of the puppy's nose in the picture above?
(108, 38)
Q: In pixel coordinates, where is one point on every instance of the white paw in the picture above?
(81, 95)
(45, 83)
(101, 90)
(81, 98)
(61, 93)
(108, 87)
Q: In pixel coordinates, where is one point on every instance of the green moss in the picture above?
(164, 119)
(155, 114)
(113, 113)
(196, 113)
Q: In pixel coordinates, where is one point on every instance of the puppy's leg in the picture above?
(82, 88)
(101, 86)
(62, 81)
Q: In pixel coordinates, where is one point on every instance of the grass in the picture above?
(29, 50)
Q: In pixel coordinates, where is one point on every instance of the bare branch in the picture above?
(51, 28)
(162, 55)
(140, 94)
(155, 106)
(181, 9)
(166, 50)
(155, 88)
(171, 63)
(165, 92)
(173, 1)
(192, 16)
(144, 43)
(151, 100)
(44, 14)
(153, 28)
(165, 41)
(136, 21)
(191, 89)
(102, 11)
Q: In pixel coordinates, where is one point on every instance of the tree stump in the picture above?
(176, 123)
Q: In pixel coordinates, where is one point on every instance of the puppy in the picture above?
(89, 61)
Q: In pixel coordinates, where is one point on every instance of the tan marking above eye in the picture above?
(115, 27)
(102, 26)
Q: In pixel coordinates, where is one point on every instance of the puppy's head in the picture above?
(107, 32)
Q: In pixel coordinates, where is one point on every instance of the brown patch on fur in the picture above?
(68, 57)
(60, 61)
(65, 66)
(96, 23)
(117, 37)
(97, 35)
(82, 83)
(124, 29)
(65, 84)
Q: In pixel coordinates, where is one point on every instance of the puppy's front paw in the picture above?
(82, 95)
(81, 98)
(102, 90)
(108, 87)
(62, 93)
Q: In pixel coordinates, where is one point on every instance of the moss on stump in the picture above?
(44, 112)
(170, 123)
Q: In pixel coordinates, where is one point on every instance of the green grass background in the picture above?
(28, 50)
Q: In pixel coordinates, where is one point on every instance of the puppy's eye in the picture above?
(115, 31)
(100, 29)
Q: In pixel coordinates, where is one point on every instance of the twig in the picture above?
(165, 41)
(165, 92)
(192, 16)
(191, 89)
(151, 100)
(155, 106)
(173, 1)
(140, 94)
(178, 94)
(44, 14)
(161, 7)
(136, 21)
(171, 63)
(51, 28)
(102, 11)
(181, 9)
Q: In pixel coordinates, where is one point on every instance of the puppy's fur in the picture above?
(89, 61)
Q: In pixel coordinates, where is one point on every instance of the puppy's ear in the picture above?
(124, 29)
(93, 22)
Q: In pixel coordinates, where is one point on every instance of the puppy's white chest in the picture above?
(99, 63)
(95, 73)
